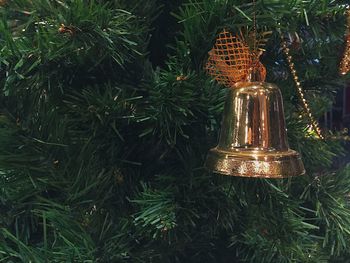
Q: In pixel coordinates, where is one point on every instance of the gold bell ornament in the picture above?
(253, 140)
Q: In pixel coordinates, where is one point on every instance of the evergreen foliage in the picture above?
(102, 141)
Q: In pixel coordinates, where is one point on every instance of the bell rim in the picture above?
(257, 164)
(256, 153)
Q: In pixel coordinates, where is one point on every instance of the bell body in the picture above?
(253, 140)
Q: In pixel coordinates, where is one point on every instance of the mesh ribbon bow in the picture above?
(231, 60)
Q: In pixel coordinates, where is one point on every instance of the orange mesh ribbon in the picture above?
(231, 60)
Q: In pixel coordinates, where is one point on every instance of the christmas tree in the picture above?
(107, 116)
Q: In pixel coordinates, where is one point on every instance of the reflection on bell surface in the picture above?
(253, 140)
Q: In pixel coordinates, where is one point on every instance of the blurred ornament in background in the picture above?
(253, 140)
(345, 62)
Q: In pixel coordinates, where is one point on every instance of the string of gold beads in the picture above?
(314, 123)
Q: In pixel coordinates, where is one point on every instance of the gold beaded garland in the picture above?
(314, 123)
(344, 67)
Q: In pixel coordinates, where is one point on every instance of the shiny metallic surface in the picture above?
(253, 140)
